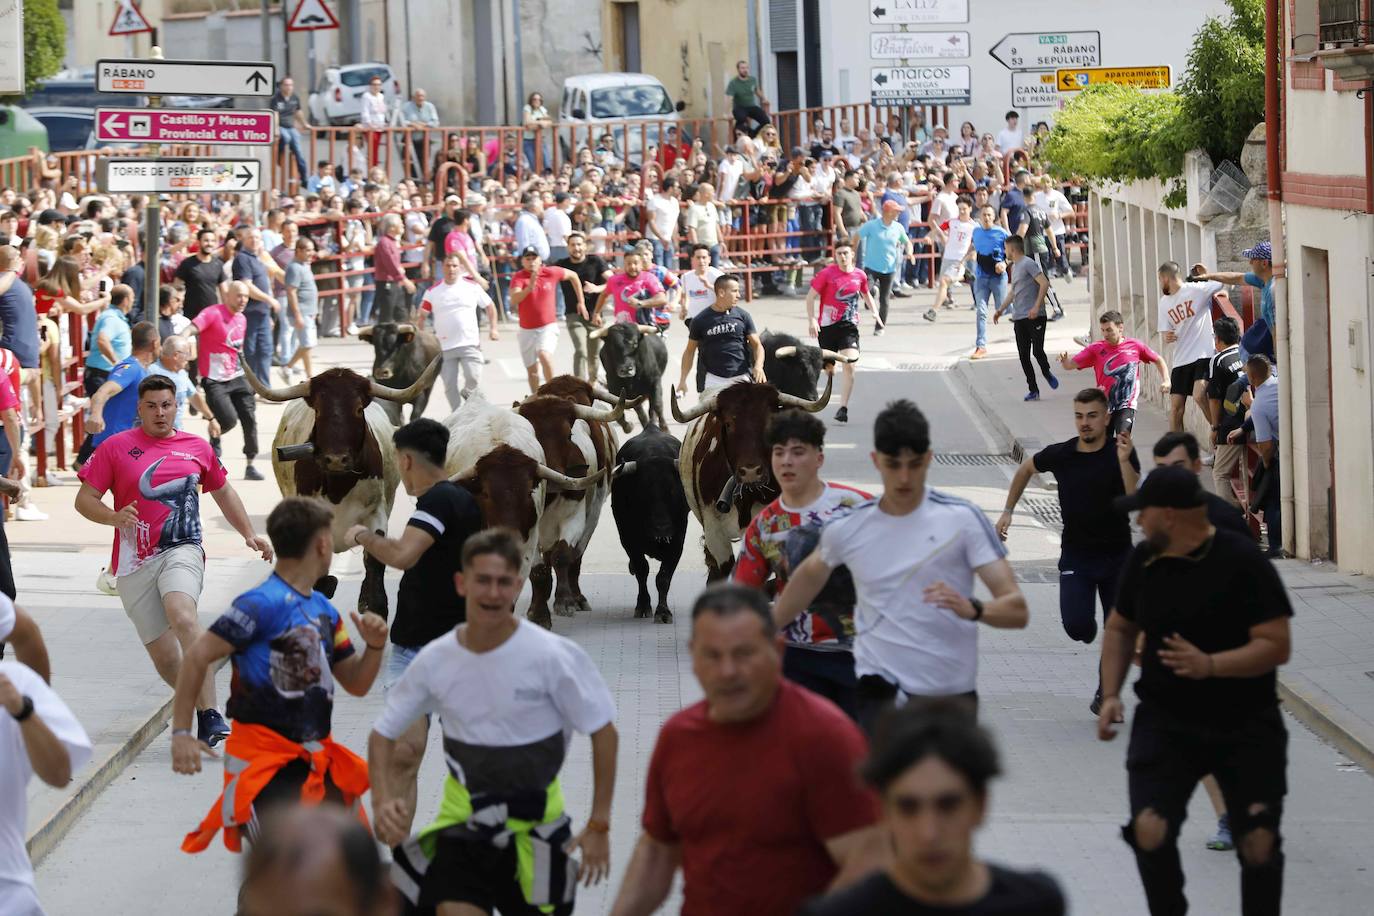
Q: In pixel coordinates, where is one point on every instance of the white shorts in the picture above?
(717, 381)
(953, 271)
(308, 335)
(181, 569)
(534, 341)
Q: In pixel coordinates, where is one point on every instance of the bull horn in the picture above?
(705, 405)
(365, 333)
(782, 352)
(406, 328)
(406, 395)
(830, 356)
(564, 482)
(647, 329)
(592, 415)
(791, 400)
(464, 475)
(627, 467)
(599, 332)
(601, 394)
(298, 390)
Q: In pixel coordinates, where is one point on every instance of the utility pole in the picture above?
(152, 226)
(351, 18)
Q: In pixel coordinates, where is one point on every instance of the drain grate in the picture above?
(1030, 573)
(1046, 509)
(973, 459)
(923, 367)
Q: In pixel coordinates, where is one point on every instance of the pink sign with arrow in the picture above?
(185, 125)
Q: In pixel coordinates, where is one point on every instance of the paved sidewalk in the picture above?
(1329, 682)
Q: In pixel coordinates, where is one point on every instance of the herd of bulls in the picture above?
(546, 466)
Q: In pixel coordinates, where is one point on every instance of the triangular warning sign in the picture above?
(129, 19)
(311, 16)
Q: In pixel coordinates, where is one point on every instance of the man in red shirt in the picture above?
(388, 273)
(753, 791)
(534, 293)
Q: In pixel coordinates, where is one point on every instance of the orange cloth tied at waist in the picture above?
(252, 756)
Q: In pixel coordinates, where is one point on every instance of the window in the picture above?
(67, 132)
(1340, 23)
(1306, 23)
(364, 75)
(631, 102)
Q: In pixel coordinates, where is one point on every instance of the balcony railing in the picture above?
(1341, 23)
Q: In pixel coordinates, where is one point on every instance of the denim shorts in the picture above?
(397, 661)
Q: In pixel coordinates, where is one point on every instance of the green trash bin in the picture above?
(20, 132)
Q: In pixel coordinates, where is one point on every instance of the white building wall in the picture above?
(1313, 146)
(1132, 34)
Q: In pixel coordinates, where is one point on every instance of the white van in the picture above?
(616, 100)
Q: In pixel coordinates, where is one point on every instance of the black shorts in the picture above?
(1182, 378)
(842, 335)
(283, 790)
(478, 874)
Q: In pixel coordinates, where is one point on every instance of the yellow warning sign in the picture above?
(1138, 77)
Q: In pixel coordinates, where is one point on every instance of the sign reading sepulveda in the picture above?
(1034, 89)
(937, 84)
(173, 175)
(917, 45)
(916, 12)
(1048, 50)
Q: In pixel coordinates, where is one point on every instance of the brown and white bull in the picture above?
(334, 442)
(495, 454)
(726, 466)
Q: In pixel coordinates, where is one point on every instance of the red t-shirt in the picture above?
(540, 307)
(753, 804)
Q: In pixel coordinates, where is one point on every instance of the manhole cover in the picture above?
(972, 459)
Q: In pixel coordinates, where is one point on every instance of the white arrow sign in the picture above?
(1048, 50)
(917, 45)
(1034, 89)
(185, 77)
(178, 175)
(934, 84)
(916, 12)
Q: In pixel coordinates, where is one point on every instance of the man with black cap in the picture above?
(1215, 617)
(534, 291)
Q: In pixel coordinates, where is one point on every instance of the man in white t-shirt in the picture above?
(1185, 320)
(19, 632)
(454, 303)
(1011, 137)
(913, 554)
(956, 235)
(508, 694)
(1052, 200)
(38, 735)
(664, 208)
(731, 168)
(698, 284)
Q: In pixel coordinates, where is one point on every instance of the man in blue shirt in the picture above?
(1263, 422)
(1014, 204)
(257, 336)
(114, 407)
(884, 243)
(20, 335)
(990, 277)
(1261, 276)
(110, 338)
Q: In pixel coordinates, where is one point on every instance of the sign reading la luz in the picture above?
(1048, 50)
(185, 77)
(173, 175)
(916, 12)
(1073, 80)
(926, 84)
(917, 45)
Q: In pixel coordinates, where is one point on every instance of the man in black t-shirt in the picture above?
(592, 273)
(725, 335)
(1181, 450)
(202, 275)
(287, 105)
(430, 552)
(1225, 372)
(438, 235)
(1214, 615)
(1092, 469)
(931, 765)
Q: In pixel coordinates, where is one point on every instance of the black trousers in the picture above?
(6, 571)
(751, 113)
(1030, 339)
(1085, 578)
(232, 403)
(884, 282)
(1249, 758)
(828, 673)
(389, 303)
(91, 380)
(876, 695)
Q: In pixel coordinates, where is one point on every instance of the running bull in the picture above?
(795, 367)
(634, 357)
(400, 354)
(650, 512)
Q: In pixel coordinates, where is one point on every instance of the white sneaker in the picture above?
(352, 330)
(29, 513)
(285, 373)
(105, 583)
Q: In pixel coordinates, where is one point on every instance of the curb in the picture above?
(964, 371)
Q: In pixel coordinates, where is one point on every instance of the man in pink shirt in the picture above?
(156, 473)
(632, 290)
(220, 329)
(840, 287)
(1116, 361)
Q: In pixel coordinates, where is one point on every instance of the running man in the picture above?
(454, 303)
(956, 236)
(428, 553)
(592, 273)
(1116, 361)
(632, 289)
(114, 407)
(534, 293)
(287, 645)
(987, 249)
(1092, 469)
(819, 654)
(913, 554)
(508, 694)
(725, 334)
(157, 474)
(1025, 299)
(220, 330)
(884, 243)
(302, 298)
(840, 287)
(1185, 320)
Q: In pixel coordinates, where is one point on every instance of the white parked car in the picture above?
(337, 101)
(612, 103)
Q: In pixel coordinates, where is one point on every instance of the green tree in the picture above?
(45, 41)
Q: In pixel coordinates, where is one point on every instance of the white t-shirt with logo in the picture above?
(1188, 313)
(700, 292)
(454, 306)
(17, 893)
(958, 237)
(924, 649)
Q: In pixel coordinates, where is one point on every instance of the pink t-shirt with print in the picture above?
(623, 290)
(221, 336)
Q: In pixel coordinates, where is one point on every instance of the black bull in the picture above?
(650, 512)
(400, 353)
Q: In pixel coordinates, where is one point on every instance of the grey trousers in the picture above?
(585, 350)
(469, 359)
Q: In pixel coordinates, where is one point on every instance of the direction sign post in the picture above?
(179, 175)
(1073, 80)
(917, 45)
(1048, 50)
(185, 125)
(185, 77)
(1034, 89)
(916, 12)
(932, 84)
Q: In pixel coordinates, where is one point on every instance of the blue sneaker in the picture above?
(1221, 840)
(211, 729)
(1053, 381)
(1032, 396)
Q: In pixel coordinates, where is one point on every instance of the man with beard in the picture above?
(819, 653)
(1092, 469)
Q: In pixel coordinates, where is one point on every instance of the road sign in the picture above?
(175, 175)
(185, 77)
(1048, 50)
(1138, 77)
(916, 12)
(129, 19)
(311, 16)
(917, 45)
(937, 84)
(1034, 89)
(11, 47)
(185, 125)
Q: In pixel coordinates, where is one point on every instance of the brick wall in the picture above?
(1334, 192)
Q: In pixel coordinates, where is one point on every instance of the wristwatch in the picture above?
(25, 709)
(977, 608)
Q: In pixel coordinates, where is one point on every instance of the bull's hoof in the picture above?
(327, 585)
(566, 608)
(540, 617)
(663, 615)
(583, 605)
(643, 611)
